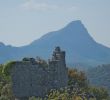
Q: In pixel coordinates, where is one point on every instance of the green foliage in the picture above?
(78, 89)
(99, 93)
(5, 87)
(100, 76)
(7, 92)
(64, 94)
(1, 68)
(32, 98)
(77, 77)
(7, 68)
(3, 98)
(5, 83)
(58, 95)
(1, 74)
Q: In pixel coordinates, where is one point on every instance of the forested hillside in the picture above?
(100, 76)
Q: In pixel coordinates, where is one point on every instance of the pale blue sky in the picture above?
(22, 21)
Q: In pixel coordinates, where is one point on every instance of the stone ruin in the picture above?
(34, 77)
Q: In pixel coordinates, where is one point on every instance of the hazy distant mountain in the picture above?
(100, 76)
(7, 53)
(74, 38)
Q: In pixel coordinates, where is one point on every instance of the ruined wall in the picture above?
(30, 78)
(58, 75)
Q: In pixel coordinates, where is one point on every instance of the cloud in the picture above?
(33, 5)
(41, 6)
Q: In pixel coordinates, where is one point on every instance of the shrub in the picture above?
(7, 68)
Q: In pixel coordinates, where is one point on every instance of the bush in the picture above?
(99, 93)
(7, 68)
(77, 77)
(7, 92)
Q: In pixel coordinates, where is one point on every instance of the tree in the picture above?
(77, 77)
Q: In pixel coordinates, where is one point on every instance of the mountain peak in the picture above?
(76, 21)
(73, 38)
(77, 30)
(75, 25)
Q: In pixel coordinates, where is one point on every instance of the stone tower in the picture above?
(58, 70)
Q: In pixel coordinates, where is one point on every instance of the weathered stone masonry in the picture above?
(32, 78)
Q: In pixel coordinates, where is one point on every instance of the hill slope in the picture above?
(73, 38)
(100, 76)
